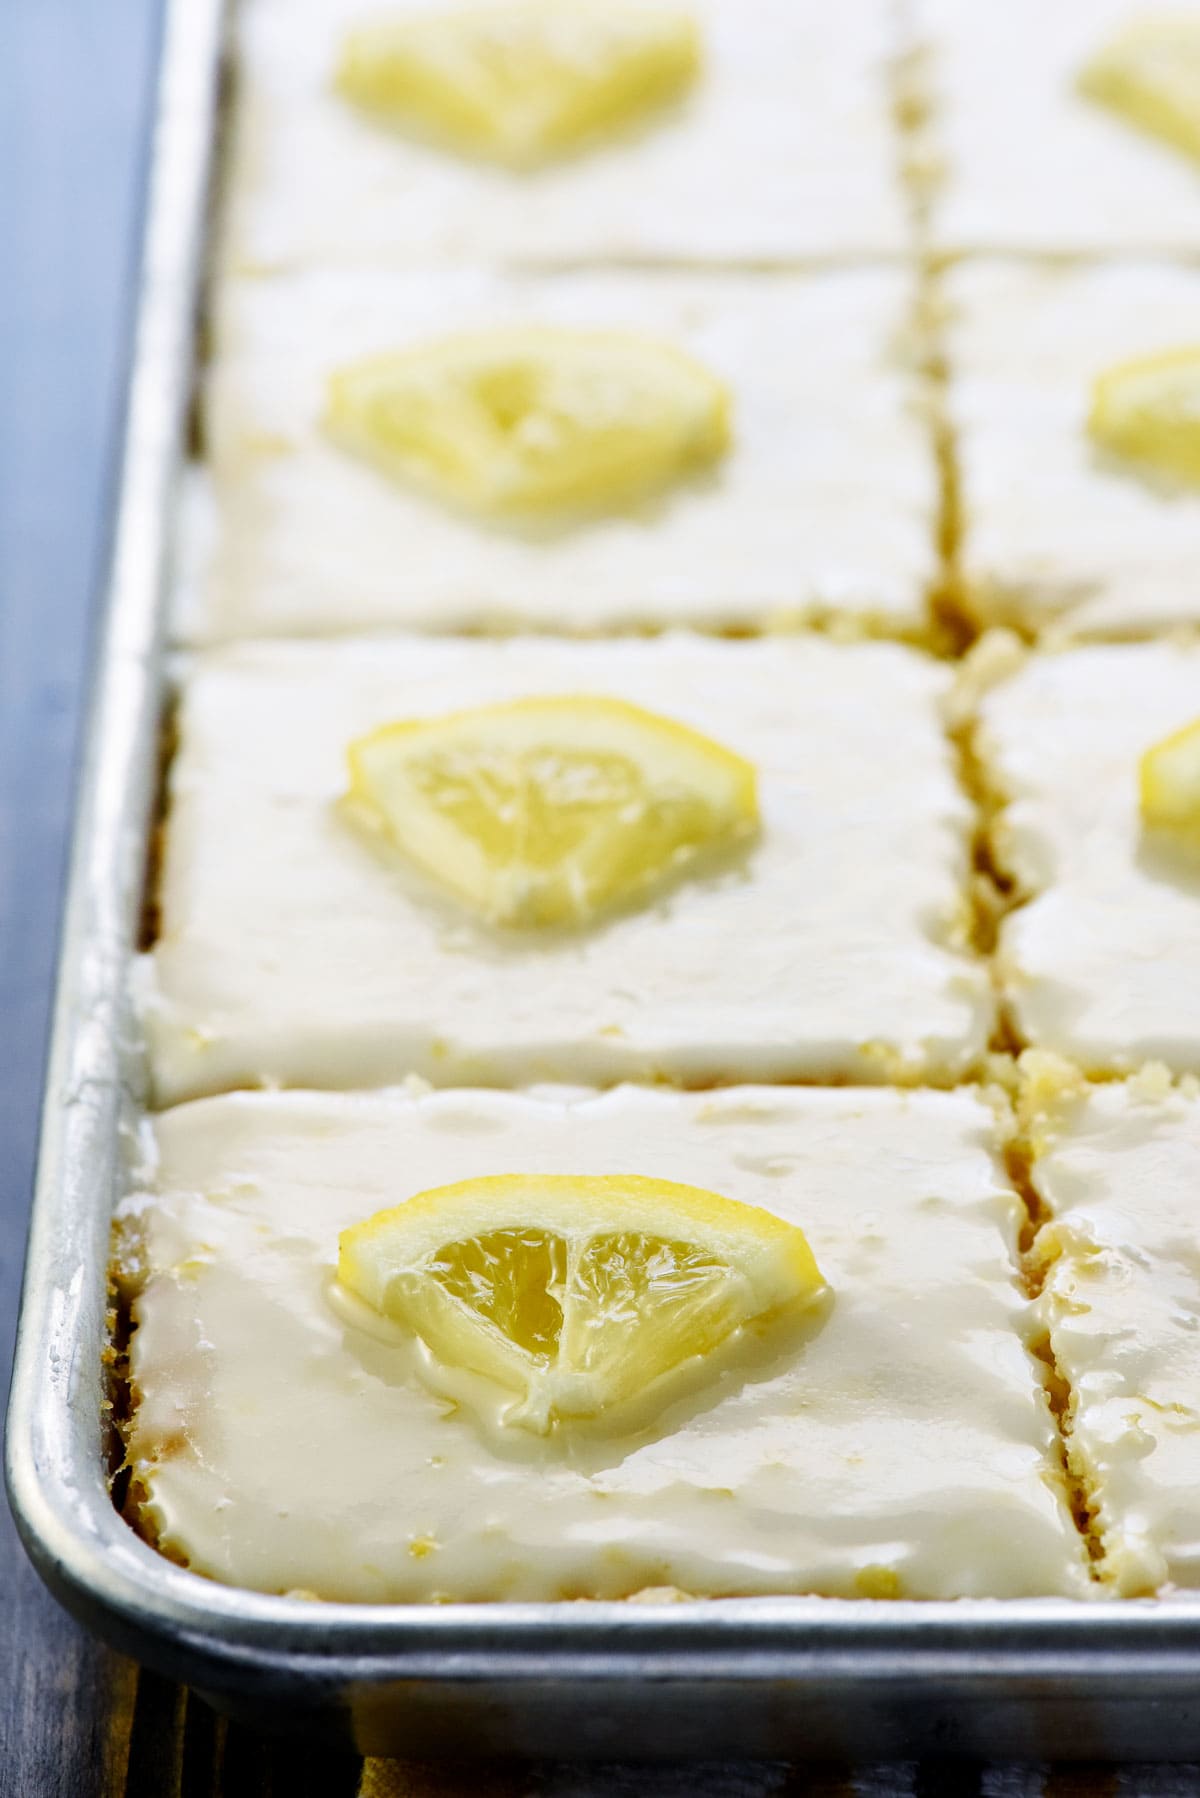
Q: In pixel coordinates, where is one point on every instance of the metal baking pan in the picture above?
(787, 1677)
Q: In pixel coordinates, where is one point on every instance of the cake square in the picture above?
(823, 507)
(782, 151)
(1024, 161)
(902, 1446)
(1055, 531)
(295, 951)
(1119, 1172)
(1100, 962)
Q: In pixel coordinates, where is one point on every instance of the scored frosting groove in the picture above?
(1113, 1166)
(992, 891)
(913, 112)
(1019, 1160)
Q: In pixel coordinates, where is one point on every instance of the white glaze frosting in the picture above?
(1055, 529)
(1103, 963)
(899, 1443)
(782, 151)
(295, 951)
(312, 540)
(1025, 162)
(1122, 1302)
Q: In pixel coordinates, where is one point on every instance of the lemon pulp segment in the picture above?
(1150, 75)
(522, 81)
(1170, 781)
(526, 420)
(1150, 409)
(547, 811)
(574, 1293)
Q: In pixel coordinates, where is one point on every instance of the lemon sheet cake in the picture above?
(1100, 961)
(1119, 1172)
(779, 148)
(1025, 155)
(822, 408)
(890, 1440)
(298, 948)
(1058, 529)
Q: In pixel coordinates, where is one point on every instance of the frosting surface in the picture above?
(1103, 962)
(313, 541)
(789, 86)
(900, 1444)
(1122, 1302)
(1055, 529)
(295, 951)
(1028, 163)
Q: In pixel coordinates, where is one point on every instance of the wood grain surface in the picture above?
(75, 1720)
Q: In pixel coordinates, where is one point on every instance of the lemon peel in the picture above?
(550, 811)
(575, 1293)
(1149, 74)
(521, 422)
(1169, 781)
(523, 81)
(1149, 409)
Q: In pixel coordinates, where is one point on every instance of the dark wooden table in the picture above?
(75, 1720)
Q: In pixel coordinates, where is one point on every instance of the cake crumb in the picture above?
(660, 1595)
(996, 655)
(1048, 1083)
(1152, 1083)
(878, 1582)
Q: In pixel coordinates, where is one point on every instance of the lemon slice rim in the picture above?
(570, 705)
(559, 1196)
(516, 337)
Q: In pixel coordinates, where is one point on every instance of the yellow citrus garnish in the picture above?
(520, 81)
(1150, 410)
(1170, 781)
(548, 811)
(522, 421)
(1150, 75)
(575, 1294)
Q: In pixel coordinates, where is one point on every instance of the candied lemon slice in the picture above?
(547, 811)
(1170, 781)
(1150, 75)
(575, 1293)
(1150, 410)
(522, 80)
(522, 420)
